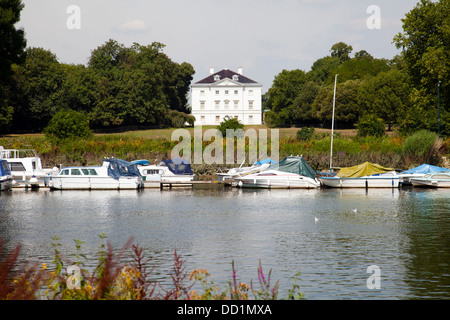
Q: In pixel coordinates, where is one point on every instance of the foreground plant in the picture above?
(113, 280)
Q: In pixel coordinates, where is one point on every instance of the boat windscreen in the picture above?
(120, 168)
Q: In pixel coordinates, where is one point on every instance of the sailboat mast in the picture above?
(332, 124)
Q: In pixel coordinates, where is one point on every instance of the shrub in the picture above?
(177, 119)
(422, 147)
(68, 124)
(370, 125)
(305, 133)
(229, 123)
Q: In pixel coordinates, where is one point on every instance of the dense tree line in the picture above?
(119, 87)
(402, 91)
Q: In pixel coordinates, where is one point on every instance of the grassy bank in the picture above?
(348, 149)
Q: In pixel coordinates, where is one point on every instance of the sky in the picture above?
(264, 37)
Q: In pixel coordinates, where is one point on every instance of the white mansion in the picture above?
(226, 93)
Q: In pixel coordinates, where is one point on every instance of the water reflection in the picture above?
(404, 232)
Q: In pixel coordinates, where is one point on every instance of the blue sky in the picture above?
(262, 36)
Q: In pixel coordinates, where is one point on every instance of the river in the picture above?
(404, 233)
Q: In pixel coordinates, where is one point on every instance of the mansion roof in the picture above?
(227, 74)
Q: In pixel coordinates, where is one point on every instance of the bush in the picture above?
(229, 123)
(370, 125)
(177, 119)
(305, 133)
(422, 147)
(68, 124)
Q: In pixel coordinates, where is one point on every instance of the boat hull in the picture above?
(288, 182)
(5, 183)
(363, 182)
(95, 183)
(420, 182)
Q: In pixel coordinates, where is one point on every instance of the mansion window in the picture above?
(202, 105)
(217, 104)
(250, 105)
(236, 104)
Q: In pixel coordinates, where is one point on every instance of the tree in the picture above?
(37, 89)
(347, 109)
(137, 85)
(286, 86)
(341, 50)
(426, 51)
(387, 96)
(12, 45)
(68, 124)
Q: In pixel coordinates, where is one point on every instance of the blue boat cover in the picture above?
(268, 160)
(4, 168)
(425, 168)
(120, 168)
(179, 166)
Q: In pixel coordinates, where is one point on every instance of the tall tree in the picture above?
(38, 84)
(12, 45)
(425, 44)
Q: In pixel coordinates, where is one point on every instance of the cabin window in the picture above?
(16, 166)
(89, 172)
(76, 172)
(65, 172)
(440, 176)
(5, 166)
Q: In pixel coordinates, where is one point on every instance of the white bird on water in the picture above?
(316, 219)
(355, 210)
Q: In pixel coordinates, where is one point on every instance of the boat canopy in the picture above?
(179, 166)
(296, 165)
(268, 160)
(362, 170)
(4, 168)
(120, 168)
(425, 168)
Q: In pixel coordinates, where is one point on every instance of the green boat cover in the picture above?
(364, 169)
(296, 165)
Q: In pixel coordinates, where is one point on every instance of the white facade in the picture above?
(226, 93)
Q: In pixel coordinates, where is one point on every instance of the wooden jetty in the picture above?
(182, 184)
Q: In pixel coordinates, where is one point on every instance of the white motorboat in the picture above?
(366, 175)
(114, 174)
(26, 167)
(289, 173)
(419, 172)
(5, 176)
(434, 180)
(174, 170)
(243, 171)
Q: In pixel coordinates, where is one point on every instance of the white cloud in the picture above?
(133, 26)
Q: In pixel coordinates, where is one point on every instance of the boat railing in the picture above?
(17, 153)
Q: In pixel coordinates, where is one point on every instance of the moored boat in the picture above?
(419, 172)
(365, 175)
(434, 180)
(243, 171)
(289, 173)
(114, 174)
(26, 167)
(5, 176)
(174, 170)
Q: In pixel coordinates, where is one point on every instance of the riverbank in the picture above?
(156, 144)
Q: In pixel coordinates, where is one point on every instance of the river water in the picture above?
(404, 233)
